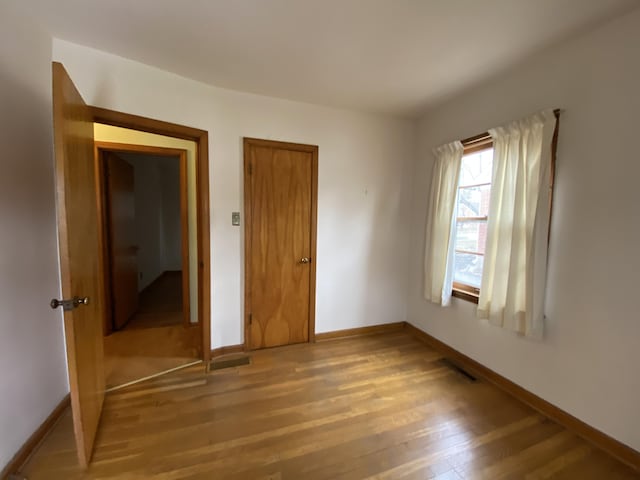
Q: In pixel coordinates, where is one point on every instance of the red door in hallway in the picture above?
(280, 224)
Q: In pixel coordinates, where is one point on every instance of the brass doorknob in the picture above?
(305, 260)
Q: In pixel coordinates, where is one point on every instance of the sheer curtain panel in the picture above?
(514, 274)
(439, 243)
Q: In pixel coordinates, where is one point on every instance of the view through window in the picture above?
(474, 191)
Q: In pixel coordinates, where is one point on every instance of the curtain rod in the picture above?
(485, 137)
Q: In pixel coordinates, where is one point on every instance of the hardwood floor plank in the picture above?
(377, 407)
(559, 463)
(154, 339)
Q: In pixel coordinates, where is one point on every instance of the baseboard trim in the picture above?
(22, 455)
(217, 352)
(320, 337)
(613, 447)
(360, 331)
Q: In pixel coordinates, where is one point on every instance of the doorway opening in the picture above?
(197, 141)
(148, 222)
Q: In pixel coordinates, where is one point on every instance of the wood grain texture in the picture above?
(356, 332)
(135, 353)
(280, 205)
(79, 250)
(160, 302)
(155, 339)
(615, 448)
(104, 274)
(142, 149)
(201, 138)
(372, 407)
(123, 251)
(184, 239)
(30, 446)
(461, 294)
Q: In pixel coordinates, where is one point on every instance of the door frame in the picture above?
(100, 148)
(299, 147)
(201, 139)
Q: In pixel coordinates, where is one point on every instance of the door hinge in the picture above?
(250, 318)
(250, 168)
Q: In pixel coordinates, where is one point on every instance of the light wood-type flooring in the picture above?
(154, 340)
(377, 407)
(160, 303)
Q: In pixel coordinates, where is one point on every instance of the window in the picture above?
(485, 242)
(472, 210)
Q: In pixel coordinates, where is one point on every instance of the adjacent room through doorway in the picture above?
(150, 324)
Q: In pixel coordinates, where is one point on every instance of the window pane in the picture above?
(474, 201)
(476, 168)
(468, 269)
(471, 236)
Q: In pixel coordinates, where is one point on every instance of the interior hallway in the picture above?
(383, 407)
(155, 339)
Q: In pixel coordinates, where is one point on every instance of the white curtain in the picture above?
(439, 247)
(515, 262)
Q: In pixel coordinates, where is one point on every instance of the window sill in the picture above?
(462, 295)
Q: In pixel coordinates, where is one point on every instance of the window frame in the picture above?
(484, 141)
(471, 145)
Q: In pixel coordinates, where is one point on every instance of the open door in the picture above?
(79, 246)
(123, 251)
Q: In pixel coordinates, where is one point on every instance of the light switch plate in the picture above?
(235, 219)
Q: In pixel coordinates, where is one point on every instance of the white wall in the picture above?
(149, 220)
(171, 222)
(157, 203)
(589, 362)
(363, 184)
(32, 355)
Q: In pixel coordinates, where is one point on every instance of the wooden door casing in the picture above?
(280, 230)
(184, 241)
(79, 252)
(203, 251)
(123, 251)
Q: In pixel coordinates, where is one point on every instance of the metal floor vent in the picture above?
(453, 366)
(220, 363)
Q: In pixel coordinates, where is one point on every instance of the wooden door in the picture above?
(280, 224)
(79, 248)
(123, 251)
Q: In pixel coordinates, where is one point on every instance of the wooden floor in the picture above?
(154, 340)
(378, 407)
(160, 303)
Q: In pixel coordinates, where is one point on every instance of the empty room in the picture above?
(298, 239)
